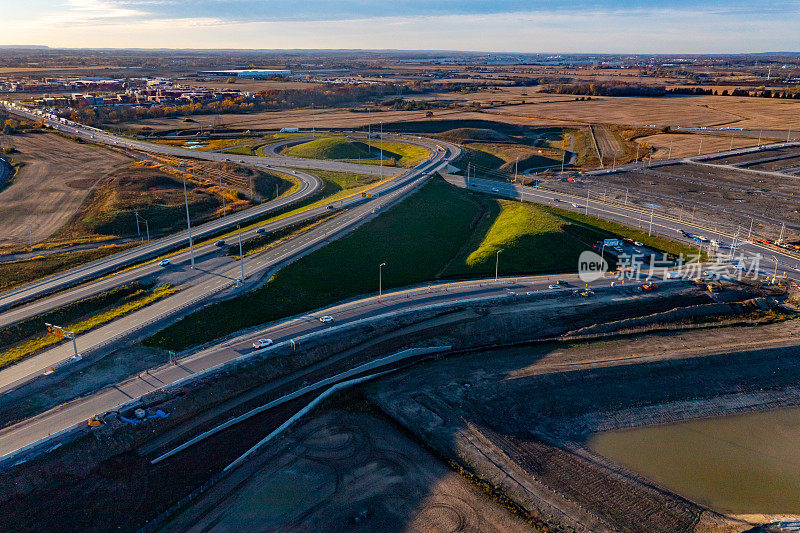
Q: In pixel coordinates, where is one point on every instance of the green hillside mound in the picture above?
(464, 135)
(338, 148)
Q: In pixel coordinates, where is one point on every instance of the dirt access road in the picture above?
(56, 177)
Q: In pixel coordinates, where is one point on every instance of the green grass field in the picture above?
(29, 337)
(394, 153)
(15, 273)
(441, 232)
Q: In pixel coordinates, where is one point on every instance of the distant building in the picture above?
(248, 73)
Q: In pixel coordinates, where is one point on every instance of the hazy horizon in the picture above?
(506, 26)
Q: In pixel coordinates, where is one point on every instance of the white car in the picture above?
(494, 189)
(163, 262)
(326, 318)
(262, 343)
(554, 286)
(637, 243)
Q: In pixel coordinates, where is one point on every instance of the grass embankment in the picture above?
(13, 273)
(157, 196)
(530, 240)
(394, 153)
(416, 239)
(28, 337)
(440, 232)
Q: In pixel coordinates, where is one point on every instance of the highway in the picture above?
(58, 282)
(787, 263)
(356, 211)
(36, 428)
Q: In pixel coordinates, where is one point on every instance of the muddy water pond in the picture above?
(738, 464)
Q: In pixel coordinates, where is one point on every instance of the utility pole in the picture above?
(276, 191)
(670, 150)
(241, 254)
(188, 222)
(783, 227)
(147, 228)
(515, 169)
(650, 231)
(30, 238)
(750, 231)
(497, 265)
(381, 151)
(136, 214)
(788, 135)
(224, 207)
(252, 199)
(731, 148)
(563, 157)
(700, 148)
(614, 164)
(380, 280)
(759, 137)
(369, 136)
(626, 196)
(587, 201)
(637, 154)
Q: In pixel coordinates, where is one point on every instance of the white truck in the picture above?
(290, 130)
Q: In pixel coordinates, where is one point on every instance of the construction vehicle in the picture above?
(95, 421)
(649, 286)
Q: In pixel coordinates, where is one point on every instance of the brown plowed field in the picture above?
(51, 186)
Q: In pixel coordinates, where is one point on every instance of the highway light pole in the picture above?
(380, 280)
(497, 265)
(188, 222)
(241, 255)
(587, 201)
(650, 231)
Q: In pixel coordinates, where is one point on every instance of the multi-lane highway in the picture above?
(36, 428)
(355, 212)
(788, 264)
(58, 282)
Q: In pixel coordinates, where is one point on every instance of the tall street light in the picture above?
(497, 265)
(188, 222)
(380, 280)
(241, 255)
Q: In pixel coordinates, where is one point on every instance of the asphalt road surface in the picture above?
(225, 276)
(36, 428)
(767, 257)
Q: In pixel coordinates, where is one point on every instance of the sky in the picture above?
(591, 26)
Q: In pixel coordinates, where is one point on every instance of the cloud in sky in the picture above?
(681, 26)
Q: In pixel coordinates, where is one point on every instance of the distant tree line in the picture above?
(760, 92)
(605, 89)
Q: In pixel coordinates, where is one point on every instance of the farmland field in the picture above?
(506, 105)
(56, 176)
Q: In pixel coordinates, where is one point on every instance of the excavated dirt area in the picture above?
(520, 418)
(350, 471)
(507, 400)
